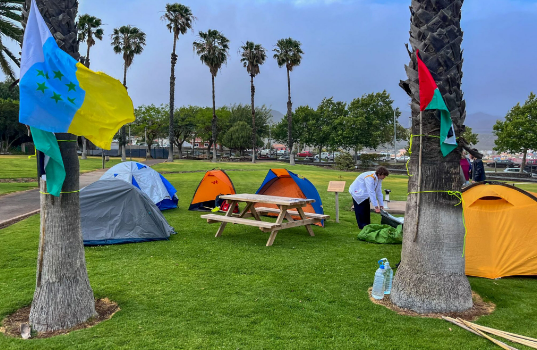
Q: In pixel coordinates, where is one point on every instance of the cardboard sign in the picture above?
(336, 186)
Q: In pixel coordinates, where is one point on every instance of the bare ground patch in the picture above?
(480, 308)
(11, 325)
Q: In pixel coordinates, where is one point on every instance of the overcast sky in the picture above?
(350, 48)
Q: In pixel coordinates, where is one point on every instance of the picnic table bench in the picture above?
(286, 209)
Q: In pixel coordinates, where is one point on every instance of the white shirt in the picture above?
(367, 185)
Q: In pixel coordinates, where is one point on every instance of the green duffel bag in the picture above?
(382, 234)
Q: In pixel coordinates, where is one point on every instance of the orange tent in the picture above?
(501, 227)
(213, 184)
(284, 183)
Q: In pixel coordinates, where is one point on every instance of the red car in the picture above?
(305, 154)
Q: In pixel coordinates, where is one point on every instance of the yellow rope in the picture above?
(459, 196)
(61, 192)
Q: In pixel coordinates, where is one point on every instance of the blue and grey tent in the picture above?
(283, 183)
(153, 184)
(114, 211)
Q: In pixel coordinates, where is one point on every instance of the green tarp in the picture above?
(383, 234)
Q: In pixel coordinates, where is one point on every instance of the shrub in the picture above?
(368, 158)
(345, 161)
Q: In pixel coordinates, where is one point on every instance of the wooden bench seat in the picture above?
(292, 212)
(212, 218)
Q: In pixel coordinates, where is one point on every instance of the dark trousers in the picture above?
(362, 212)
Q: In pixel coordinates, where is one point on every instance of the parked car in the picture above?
(281, 152)
(305, 154)
(285, 157)
(402, 159)
(265, 153)
(503, 163)
(514, 170)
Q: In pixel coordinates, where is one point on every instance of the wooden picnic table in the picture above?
(286, 209)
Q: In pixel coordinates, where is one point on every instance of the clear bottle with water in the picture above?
(378, 283)
(388, 278)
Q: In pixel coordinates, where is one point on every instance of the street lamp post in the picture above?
(394, 137)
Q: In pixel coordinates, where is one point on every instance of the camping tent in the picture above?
(114, 211)
(501, 237)
(160, 190)
(283, 183)
(213, 184)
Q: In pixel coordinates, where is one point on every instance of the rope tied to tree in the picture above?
(459, 196)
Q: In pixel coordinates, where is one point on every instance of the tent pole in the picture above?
(419, 181)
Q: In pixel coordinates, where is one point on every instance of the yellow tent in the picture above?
(502, 230)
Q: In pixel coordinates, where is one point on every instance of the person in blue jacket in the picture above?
(367, 187)
(478, 170)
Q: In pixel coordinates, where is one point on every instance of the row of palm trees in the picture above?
(213, 49)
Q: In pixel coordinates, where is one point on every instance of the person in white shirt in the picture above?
(367, 187)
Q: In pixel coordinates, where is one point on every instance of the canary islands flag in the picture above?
(59, 94)
(431, 98)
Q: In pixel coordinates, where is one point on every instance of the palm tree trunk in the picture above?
(87, 60)
(254, 132)
(431, 277)
(172, 99)
(290, 121)
(123, 141)
(63, 296)
(214, 124)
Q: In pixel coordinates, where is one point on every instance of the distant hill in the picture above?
(276, 116)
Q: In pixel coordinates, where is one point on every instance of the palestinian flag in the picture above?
(431, 98)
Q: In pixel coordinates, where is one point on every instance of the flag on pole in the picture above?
(59, 94)
(431, 98)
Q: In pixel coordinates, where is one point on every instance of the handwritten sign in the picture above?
(336, 186)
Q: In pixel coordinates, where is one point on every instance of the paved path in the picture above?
(394, 207)
(19, 205)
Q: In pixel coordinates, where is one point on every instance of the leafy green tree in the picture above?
(178, 20)
(252, 56)
(10, 18)
(238, 136)
(299, 126)
(470, 137)
(288, 53)
(89, 29)
(184, 125)
(212, 48)
(10, 128)
(204, 125)
(369, 122)
(320, 130)
(518, 132)
(151, 122)
(262, 115)
(8, 90)
(129, 41)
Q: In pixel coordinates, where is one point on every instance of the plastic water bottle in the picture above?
(378, 283)
(388, 278)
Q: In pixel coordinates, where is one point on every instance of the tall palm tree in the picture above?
(88, 28)
(178, 20)
(252, 56)
(129, 41)
(213, 49)
(10, 17)
(63, 296)
(289, 54)
(431, 276)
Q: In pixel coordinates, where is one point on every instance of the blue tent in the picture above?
(153, 184)
(284, 183)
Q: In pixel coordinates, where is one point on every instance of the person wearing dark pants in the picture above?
(367, 188)
(478, 170)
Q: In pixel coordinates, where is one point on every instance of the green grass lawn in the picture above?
(15, 167)
(196, 291)
(8, 187)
